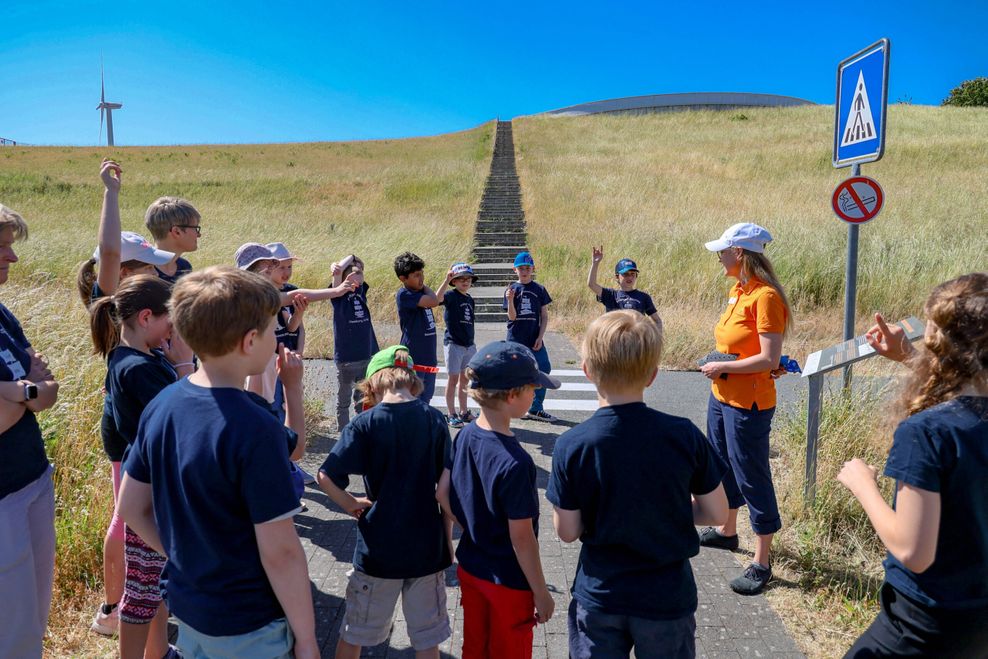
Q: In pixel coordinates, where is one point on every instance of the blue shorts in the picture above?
(272, 641)
(612, 636)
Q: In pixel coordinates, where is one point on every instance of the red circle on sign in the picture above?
(858, 199)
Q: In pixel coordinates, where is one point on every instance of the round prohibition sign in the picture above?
(858, 199)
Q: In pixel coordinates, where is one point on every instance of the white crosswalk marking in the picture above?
(556, 372)
(577, 394)
(557, 404)
(566, 386)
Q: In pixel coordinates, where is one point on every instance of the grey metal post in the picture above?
(851, 282)
(812, 437)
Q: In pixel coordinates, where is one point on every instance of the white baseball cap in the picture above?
(280, 252)
(133, 247)
(744, 235)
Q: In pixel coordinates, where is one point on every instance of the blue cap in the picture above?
(462, 270)
(625, 265)
(503, 365)
(524, 258)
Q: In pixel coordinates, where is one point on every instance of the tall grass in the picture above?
(656, 187)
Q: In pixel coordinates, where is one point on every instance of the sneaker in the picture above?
(307, 478)
(467, 417)
(711, 537)
(541, 415)
(753, 580)
(106, 622)
(454, 421)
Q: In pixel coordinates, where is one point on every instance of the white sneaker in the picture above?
(307, 478)
(541, 415)
(106, 624)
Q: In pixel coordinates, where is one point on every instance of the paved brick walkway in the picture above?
(728, 625)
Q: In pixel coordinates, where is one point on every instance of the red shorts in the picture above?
(497, 620)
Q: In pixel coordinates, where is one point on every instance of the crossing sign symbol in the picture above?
(862, 100)
(858, 199)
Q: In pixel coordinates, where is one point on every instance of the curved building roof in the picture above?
(674, 102)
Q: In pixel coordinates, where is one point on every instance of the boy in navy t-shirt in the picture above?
(631, 482)
(207, 479)
(526, 302)
(458, 345)
(354, 341)
(399, 446)
(490, 489)
(415, 302)
(625, 296)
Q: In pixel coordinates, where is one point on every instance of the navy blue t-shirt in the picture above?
(492, 480)
(529, 300)
(183, 268)
(944, 449)
(418, 327)
(458, 314)
(217, 461)
(134, 378)
(614, 299)
(630, 471)
(400, 449)
(353, 332)
(284, 336)
(22, 450)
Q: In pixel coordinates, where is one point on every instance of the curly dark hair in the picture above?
(406, 263)
(955, 353)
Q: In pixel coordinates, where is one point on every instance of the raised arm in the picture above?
(441, 291)
(509, 297)
(108, 268)
(429, 299)
(595, 259)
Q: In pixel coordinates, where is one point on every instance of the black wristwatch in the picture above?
(30, 391)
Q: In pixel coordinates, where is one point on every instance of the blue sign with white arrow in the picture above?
(862, 99)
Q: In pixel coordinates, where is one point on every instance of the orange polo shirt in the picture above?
(752, 309)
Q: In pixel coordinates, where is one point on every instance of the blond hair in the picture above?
(166, 212)
(214, 308)
(955, 354)
(621, 350)
(491, 397)
(11, 219)
(390, 379)
(757, 266)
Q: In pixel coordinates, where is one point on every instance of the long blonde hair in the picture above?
(755, 265)
(956, 353)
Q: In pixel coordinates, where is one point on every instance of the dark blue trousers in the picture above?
(429, 380)
(740, 439)
(542, 359)
(597, 635)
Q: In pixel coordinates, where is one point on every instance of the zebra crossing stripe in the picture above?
(566, 386)
(556, 372)
(553, 404)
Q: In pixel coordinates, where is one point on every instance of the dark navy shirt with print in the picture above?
(353, 331)
(418, 327)
(944, 449)
(400, 449)
(630, 471)
(286, 337)
(492, 480)
(135, 378)
(217, 461)
(529, 300)
(182, 268)
(458, 314)
(614, 299)
(22, 450)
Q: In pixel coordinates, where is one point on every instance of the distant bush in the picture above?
(969, 93)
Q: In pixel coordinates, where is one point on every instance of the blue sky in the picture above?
(217, 72)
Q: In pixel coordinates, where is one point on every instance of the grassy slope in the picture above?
(656, 187)
(323, 200)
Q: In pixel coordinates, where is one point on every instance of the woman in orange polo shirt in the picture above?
(742, 399)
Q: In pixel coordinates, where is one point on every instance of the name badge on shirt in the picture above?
(732, 300)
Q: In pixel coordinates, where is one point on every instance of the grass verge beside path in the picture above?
(324, 201)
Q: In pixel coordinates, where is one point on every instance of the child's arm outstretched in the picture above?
(910, 531)
(595, 259)
(319, 294)
(285, 565)
(526, 547)
(290, 369)
(108, 269)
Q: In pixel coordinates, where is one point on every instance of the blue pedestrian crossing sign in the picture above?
(862, 99)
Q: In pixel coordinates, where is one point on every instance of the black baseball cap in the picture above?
(503, 365)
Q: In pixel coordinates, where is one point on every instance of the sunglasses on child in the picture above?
(197, 227)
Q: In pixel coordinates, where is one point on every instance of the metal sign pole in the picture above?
(850, 282)
(812, 437)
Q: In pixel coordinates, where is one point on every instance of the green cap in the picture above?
(386, 359)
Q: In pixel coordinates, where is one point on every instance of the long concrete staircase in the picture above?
(500, 232)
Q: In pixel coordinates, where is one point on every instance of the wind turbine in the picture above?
(106, 109)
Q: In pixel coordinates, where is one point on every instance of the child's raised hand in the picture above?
(335, 269)
(107, 171)
(857, 473)
(889, 342)
(598, 254)
(289, 367)
(509, 293)
(351, 281)
(176, 350)
(301, 303)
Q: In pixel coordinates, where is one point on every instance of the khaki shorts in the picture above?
(370, 608)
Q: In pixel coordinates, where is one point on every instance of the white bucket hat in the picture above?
(744, 235)
(133, 247)
(280, 252)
